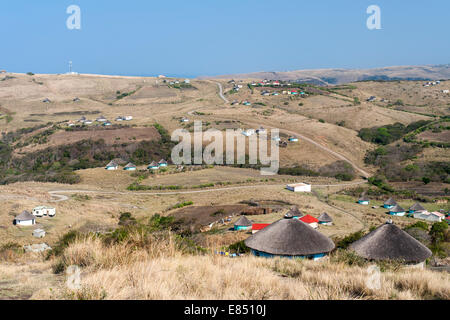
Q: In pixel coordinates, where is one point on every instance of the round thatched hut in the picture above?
(243, 223)
(389, 242)
(291, 238)
(325, 219)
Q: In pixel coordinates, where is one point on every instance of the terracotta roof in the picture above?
(259, 226)
(309, 219)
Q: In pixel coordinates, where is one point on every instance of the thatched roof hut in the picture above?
(25, 215)
(363, 197)
(290, 237)
(396, 208)
(389, 242)
(295, 212)
(243, 221)
(416, 207)
(390, 202)
(325, 218)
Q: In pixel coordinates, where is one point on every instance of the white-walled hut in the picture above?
(290, 238)
(25, 219)
(389, 242)
(325, 219)
(112, 165)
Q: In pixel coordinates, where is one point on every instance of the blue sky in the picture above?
(210, 37)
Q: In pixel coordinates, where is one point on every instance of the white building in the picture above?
(25, 219)
(128, 118)
(38, 233)
(43, 211)
(299, 187)
(429, 216)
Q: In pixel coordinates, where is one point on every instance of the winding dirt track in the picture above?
(59, 194)
(295, 133)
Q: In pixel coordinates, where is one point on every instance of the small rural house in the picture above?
(299, 187)
(258, 227)
(130, 167)
(364, 199)
(88, 122)
(41, 211)
(38, 233)
(310, 220)
(119, 118)
(162, 163)
(429, 216)
(101, 119)
(389, 242)
(153, 166)
(293, 139)
(243, 224)
(289, 238)
(390, 203)
(416, 207)
(295, 213)
(128, 118)
(397, 211)
(325, 219)
(25, 219)
(112, 166)
(184, 119)
(107, 123)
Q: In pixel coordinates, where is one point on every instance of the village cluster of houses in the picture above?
(243, 223)
(102, 119)
(431, 83)
(296, 236)
(172, 82)
(113, 165)
(416, 211)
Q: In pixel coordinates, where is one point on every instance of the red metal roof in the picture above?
(308, 219)
(259, 226)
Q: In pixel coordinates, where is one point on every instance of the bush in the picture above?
(344, 243)
(63, 243)
(239, 247)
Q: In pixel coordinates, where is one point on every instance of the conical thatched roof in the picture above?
(25, 215)
(390, 202)
(162, 161)
(417, 207)
(389, 242)
(397, 208)
(153, 164)
(243, 222)
(112, 163)
(324, 217)
(130, 165)
(363, 197)
(290, 237)
(295, 212)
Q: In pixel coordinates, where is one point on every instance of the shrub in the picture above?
(239, 247)
(344, 243)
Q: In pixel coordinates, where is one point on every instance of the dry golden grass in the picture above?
(115, 273)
